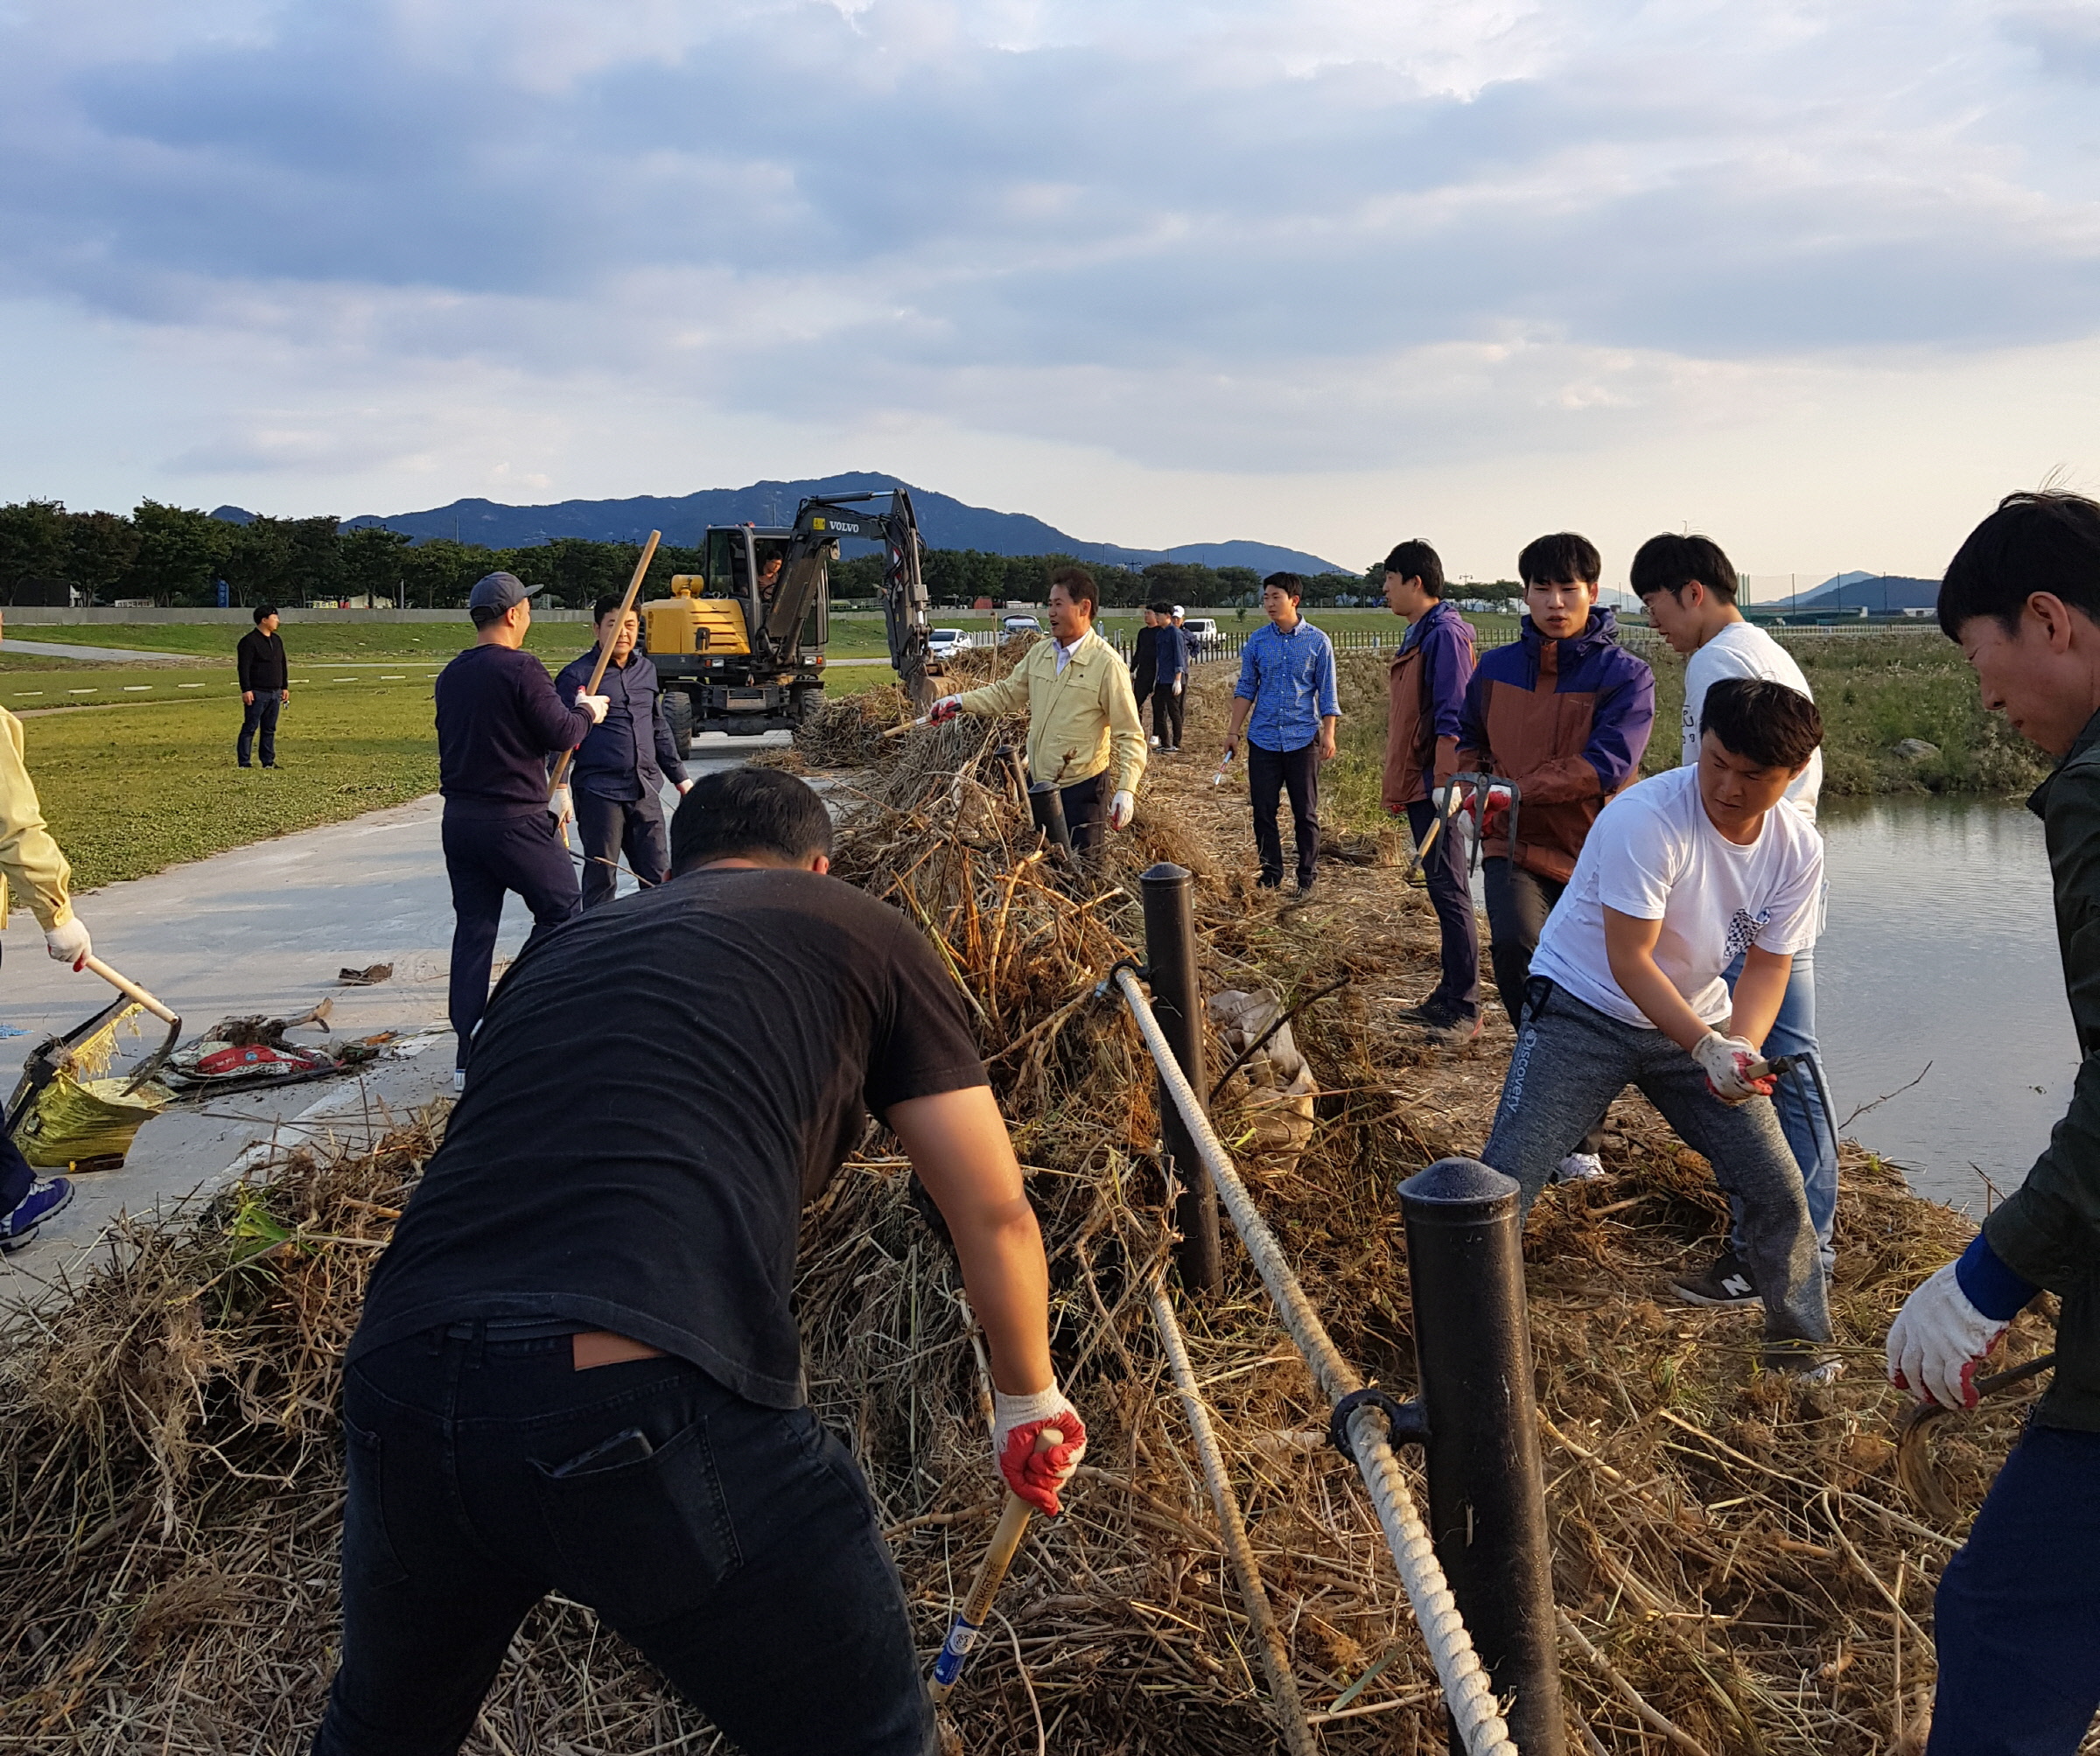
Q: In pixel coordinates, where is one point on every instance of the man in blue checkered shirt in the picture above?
(1285, 702)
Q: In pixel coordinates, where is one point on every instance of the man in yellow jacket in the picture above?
(30, 864)
(1084, 735)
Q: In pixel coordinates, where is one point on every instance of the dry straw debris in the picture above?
(1737, 1565)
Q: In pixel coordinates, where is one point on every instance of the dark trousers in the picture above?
(1086, 804)
(16, 1176)
(741, 1554)
(1458, 991)
(261, 714)
(1177, 706)
(485, 856)
(1518, 903)
(612, 828)
(1297, 772)
(1166, 716)
(2017, 1620)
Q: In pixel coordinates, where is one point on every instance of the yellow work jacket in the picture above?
(1079, 720)
(29, 860)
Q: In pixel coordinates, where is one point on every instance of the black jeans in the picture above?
(1086, 804)
(1518, 903)
(260, 714)
(1268, 773)
(614, 827)
(1458, 991)
(1166, 716)
(484, 857)
(741, 1554)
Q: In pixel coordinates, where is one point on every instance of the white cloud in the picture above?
(365, 254)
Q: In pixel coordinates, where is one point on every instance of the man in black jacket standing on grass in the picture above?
(265, 685)
(498, 719)
(619, 774)
(2017, 1611)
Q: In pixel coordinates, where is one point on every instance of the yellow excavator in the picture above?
(740, 647)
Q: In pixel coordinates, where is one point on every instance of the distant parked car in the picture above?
(945, 643)
(1202, 635)
(1009, 626)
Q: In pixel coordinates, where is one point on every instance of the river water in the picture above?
(1940, 959)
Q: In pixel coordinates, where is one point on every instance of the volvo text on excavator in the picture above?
(740, 647)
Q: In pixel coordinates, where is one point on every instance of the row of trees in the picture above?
(177, 557)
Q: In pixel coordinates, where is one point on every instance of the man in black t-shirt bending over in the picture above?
(577, 1370)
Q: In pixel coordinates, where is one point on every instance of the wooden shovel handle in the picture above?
(130, 991)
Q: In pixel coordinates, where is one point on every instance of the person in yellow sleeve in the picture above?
(1084, 735)
(32, 864)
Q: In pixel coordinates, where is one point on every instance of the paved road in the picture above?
(262, 929)
(59, 649)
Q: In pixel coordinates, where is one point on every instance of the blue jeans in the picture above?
(2017, 1620)
(735, 1545)
(261, 714)
(1811, 1135)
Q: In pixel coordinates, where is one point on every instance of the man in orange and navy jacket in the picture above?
(1564, 712)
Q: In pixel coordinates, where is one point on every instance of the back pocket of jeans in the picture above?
(642, 1541)
(368, 1552)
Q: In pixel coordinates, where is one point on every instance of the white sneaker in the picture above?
(1579, 1167)
(458, 1079)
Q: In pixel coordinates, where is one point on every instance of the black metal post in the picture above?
(1169, 952)
(1487, 1480)
(1046, 806)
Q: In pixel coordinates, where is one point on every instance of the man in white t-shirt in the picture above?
(1680, 874)
(1688, 587)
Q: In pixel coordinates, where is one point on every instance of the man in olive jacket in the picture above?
(2019, 1606)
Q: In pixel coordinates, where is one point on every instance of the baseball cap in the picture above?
(1178, 610)
(498, 591)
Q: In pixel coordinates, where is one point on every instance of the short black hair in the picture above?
(2047, 541)
(749, 814)
(1162, 608)
(1080, 588)
(1669, 562)
(1562, 557)
(1774, 726)
(606, 604)
(263, 610)
(1289, 583)
(1415, 559)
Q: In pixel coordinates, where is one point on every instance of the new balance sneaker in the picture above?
(1728, 1281)
(1449, 1028)
(1579, 1167)
(19, 1226)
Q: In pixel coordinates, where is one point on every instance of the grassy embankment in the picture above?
(1874, 690)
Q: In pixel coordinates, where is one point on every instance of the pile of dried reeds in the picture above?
(1733, 1555)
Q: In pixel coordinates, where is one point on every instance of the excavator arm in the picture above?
(819, 523)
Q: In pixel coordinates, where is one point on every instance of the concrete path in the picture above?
(59, 649)
(262, 929)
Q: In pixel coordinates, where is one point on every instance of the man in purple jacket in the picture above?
(497, 718)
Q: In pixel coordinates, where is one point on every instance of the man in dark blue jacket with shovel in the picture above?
(621, 765)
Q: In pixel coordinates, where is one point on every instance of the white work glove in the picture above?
(944, 710)
(1724, 1061)
(1177, 685)
(595, 705)
(69, 943)
(1120, 809)
(1017, 1423)
(685, 787)
(1938, 1341)
(560, 806)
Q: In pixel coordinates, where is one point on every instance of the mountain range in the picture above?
(944, 522)
(1881, 594)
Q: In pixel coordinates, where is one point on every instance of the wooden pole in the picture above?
(604, 651)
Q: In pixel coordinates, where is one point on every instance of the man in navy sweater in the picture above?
(620, 770)
(497, 718)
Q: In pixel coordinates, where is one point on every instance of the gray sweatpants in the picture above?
(1571, 1060)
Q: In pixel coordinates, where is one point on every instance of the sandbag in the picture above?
(1279, 1086)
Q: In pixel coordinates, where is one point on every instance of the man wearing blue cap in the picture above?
(499, 716)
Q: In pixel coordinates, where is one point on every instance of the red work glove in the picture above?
(1017, 1421)
(1495, 818)
(944, 710)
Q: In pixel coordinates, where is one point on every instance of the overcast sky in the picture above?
(1822, 280)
